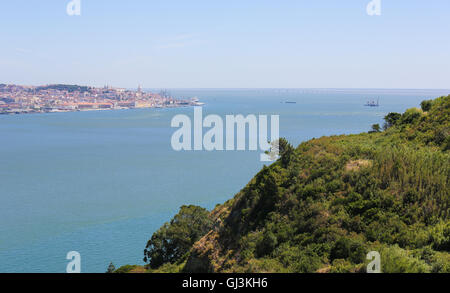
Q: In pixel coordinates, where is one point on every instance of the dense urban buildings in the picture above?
(17, 99)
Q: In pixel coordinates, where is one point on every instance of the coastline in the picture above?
(94, 110)
(127, 157)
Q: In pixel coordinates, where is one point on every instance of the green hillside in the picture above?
(325, 204)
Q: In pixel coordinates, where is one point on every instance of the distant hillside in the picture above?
(324, 205)
(65, 87)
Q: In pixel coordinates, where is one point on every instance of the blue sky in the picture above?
(227, 44)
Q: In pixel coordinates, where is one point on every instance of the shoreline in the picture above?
(13, 113)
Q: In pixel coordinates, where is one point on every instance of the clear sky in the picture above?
(227, 44)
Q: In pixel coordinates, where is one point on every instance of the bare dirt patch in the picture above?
(355, 165)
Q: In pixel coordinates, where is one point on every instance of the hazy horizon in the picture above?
(233, 88)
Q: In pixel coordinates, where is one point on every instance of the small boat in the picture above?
(290, 102)
(372, 104)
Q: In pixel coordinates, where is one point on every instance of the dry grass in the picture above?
(357, 164)
(138, 270)
(324, 270)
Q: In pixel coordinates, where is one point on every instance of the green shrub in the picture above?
(397, 260)
(125, 269)
(426, 105)
(173, 240)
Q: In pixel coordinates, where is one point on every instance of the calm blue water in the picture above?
(101, 183)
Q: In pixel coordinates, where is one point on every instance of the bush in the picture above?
(299, 259)
(172, 241)
(426, 105)
(125, 269)
(391, 119)
(267, 244)
(111, 268)
(397, 260)
(345, 248)
(342, 266)
(375, 128)
(440, 236)
(410, 116)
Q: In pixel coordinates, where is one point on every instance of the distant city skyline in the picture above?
(16, 99)
(232, 44)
